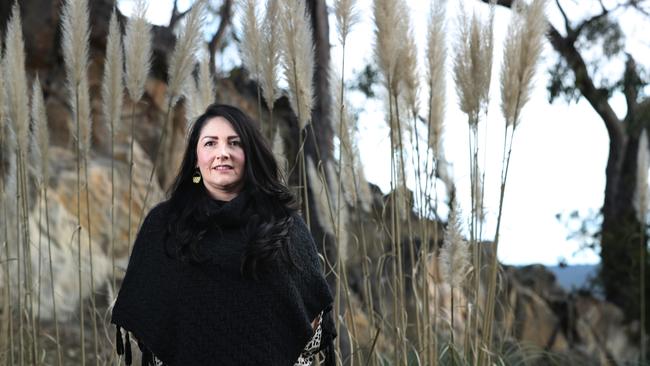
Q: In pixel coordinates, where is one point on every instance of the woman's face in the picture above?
(221, 159)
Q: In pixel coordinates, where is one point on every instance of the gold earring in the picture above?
(196, 177)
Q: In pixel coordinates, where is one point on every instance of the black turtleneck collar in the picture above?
(224, 213)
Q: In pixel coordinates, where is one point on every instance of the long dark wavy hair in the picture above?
(270, 218)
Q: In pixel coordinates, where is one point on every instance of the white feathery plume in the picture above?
(436, 53)
(205, 83)
(270, 59)
(75, 54)
(279, 151)
(521, 54)
(473, 63)
(74, 21)
(387, 45)
(137, 51)
(346, 17)
(298, 58)
(112, 83)
(41, 133)
(643, 163)
(454, 254)
(251, 38)
(16, 79)
(408, 62)
(320, 197)
(199, 93)
(183, 57)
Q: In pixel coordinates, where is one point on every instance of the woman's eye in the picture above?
(209, 143)
(235, 143)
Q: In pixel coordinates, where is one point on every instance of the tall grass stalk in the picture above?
(435, 70)
(75, 29)
(137, 61)
(18, 114)
(472, 75)
(7, 193)
(112, 101)
(271, 45)
(346, 16)
(181, 64)
(522, 51)
(41, 132)
(251, 46)
(643, 163)
(298, 63)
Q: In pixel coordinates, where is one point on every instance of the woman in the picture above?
(225, 272)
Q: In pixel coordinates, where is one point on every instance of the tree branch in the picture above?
(176, 15)
(226, 16)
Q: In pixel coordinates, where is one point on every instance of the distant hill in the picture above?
(573, 277)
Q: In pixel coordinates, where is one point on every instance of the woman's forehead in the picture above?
(217, 127)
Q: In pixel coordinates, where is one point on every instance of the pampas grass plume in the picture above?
(436, 54)
(522, 50)
(270, 58)
(454, 255)
(251, 38)
(298, 58)
(473, 63)
(387, 45)
(279, 151)
(346, 17)
(643, 163)
(407, 60)
(76, 32)
(112, 83)
(183, 57)
(137, 51)
(16, 79)
(205, 83)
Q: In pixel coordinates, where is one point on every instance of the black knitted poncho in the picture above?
(208, 313)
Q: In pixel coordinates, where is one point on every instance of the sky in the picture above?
(559, 150)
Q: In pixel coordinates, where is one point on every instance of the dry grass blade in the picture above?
(40, 132)
(320, 197)
(16, 79)
(183, 57)
(298, 58)
(271, 56)
(112, 83)
(643, 163)
(436, 53)
(137, 51)
(522, 50)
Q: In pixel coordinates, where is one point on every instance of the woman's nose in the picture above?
(222, 152)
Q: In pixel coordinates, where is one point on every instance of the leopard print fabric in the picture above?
(307, 356)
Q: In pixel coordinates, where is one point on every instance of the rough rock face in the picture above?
(64, 233)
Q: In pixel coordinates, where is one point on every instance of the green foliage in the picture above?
(561, 83)
(366, 80)
(604, 32)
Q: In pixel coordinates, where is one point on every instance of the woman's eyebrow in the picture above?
(216, 137)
